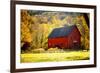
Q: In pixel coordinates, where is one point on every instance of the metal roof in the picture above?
(61, 32)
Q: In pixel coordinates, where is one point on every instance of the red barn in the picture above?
(65, 37)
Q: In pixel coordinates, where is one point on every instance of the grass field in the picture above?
(49, 57)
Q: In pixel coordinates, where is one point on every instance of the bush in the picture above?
(39, 50)
(55, 50)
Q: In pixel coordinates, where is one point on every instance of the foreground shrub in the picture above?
(54, 50)
(39, 50)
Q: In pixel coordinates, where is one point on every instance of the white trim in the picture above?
(52, 64)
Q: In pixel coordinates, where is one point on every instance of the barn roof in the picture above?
(61, 32)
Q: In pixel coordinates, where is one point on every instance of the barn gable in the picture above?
(61, 32)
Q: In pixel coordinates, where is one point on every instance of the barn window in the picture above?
(75, 44)
(74, 41)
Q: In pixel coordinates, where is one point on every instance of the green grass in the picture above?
(50, 57)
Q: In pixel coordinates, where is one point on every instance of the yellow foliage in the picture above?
(25, 31)
(84, 30)
(35, 29)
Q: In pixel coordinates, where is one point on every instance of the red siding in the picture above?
(74, 37)
(57, 42)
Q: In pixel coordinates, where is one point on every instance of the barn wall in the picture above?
(74, 36)
(57, 42)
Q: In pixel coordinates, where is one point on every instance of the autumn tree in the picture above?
(25, 31)
(84, 30)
